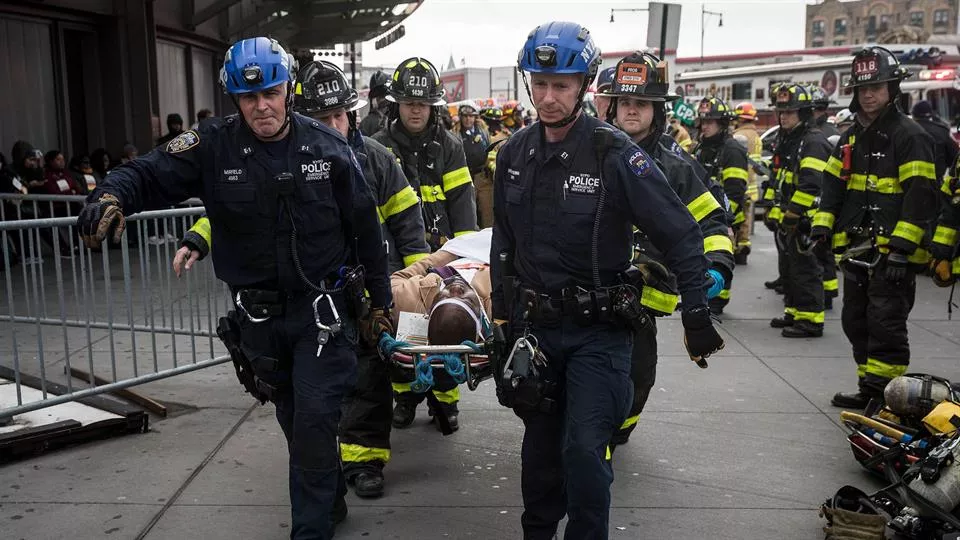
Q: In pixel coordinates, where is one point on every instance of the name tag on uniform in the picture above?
(63, 185)
(91, 181)
(234, 175)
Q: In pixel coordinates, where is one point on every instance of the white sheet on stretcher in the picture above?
(474, 246)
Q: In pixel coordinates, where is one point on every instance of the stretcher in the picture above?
(476, 363)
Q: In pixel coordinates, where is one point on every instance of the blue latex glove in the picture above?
(716, 285)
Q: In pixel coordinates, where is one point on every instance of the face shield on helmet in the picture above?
(560, 48)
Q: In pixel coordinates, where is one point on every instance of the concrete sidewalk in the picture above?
(746, 449)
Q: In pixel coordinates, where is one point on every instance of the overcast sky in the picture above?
(490, 32)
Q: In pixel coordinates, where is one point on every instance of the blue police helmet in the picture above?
(255, 64)
(562, 48)
(605, 79)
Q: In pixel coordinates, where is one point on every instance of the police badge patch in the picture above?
(639, 163)
(183, 141)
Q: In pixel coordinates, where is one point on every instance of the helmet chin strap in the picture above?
(287, 106)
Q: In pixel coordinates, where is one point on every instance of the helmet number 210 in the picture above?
(329, 87)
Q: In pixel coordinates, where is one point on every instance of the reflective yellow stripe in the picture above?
(786, 176)
(742, 243)
(834, 166)
(840, 240)
(945, 185)
(862, 182)
(685, 144)
(945, 235)
(724, 294)
(450, 396)
(813, 163)
(861, 370)
(791, 311)
(812, 316)
(955, 266)
(702, 206)
(923, 169)
(455, 179)
(630, 421)
(461, 233)
(609, 455)
(908, 231)
(432, 194)
(411, 259)
(734, 172)
(769, 194)
(734, 207)
(883, 369)
(739, 218)
(920, 256)
(400, 201)
(831, 284)
(401, 387)
(659, 301)
(803, 199)
(202, 227)
(823, 219)
(775, 214)
(354, 453)
(717, 242)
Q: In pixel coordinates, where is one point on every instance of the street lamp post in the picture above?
(703, 16)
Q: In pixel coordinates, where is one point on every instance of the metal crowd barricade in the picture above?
(120, 313)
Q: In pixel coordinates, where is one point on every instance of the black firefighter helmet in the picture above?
(641, 75)
(415, 79)
(321, 87)
(874, 65)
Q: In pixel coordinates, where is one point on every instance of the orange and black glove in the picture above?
(98, 219)
(377, 322)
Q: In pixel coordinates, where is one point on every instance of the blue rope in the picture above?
(452, 364)
(388, 345)
(424, 373)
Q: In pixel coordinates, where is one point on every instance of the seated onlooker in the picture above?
(27, 167)
(130, 153)
(84, 173)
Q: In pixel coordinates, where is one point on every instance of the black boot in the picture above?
(404, 413)
(451, 411)
(782, 322)
(740, 257)
(802, 329)
(827, 303)
(857, 400)
(773, 284)
(367, 484)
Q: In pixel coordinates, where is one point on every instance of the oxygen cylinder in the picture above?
(915, 395)
(945, 492)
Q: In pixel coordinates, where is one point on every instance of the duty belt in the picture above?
(259, 305)
(584, 305)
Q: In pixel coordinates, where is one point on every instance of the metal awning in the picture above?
(313, 24)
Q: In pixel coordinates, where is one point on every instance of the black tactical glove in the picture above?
(896, 267)
(820, 234)
(941, 252)
(194, 242)
(96, 220)
(699, 336)
(375, 324)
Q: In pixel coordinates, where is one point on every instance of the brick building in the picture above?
(835, 23)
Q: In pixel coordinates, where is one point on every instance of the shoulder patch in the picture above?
(676, 149)
(184, 141)
(639, 163)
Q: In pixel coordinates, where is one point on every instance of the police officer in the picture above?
(379, 113)
(726, 163)
(435, 165)
(821, 115)
(801, 155)
(560, 184)
(600, 98)
(639, 97)
(292, 217)
(878, 188)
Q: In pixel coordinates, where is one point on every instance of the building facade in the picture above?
(85, 74)
(835, 23)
